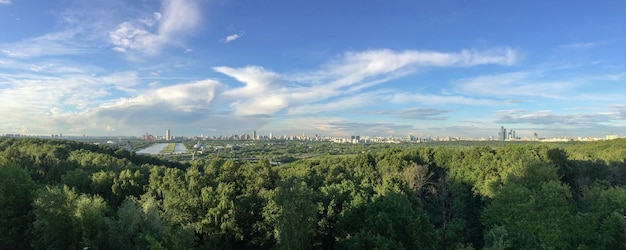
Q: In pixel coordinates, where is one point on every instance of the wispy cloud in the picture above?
(263, 91)
(616, 77)
(266, 92)
(586, 45)
(79, 29)
(363, 67)
(513, 85)
(343, 103)
(29, 100)
(418, 113)
(180, 104)
(547, 117)
(433, 99)
(148, 35)
(53, 44)
(364, 128)
(5, 1)
(75, 98)
(232, 37)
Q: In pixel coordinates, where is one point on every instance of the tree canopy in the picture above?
(58, 194)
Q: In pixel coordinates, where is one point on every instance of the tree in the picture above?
(390, 222)
(89, 214)
(535, 208)
(420, 179)
(54, 225)
(127, 183)
(296, 216)
(15, 205)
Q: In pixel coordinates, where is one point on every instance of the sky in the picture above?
(332, 68)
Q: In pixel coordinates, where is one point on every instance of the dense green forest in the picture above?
(58, 194)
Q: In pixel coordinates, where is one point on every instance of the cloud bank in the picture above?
(345, 83)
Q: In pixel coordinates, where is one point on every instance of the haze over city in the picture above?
(336, 68)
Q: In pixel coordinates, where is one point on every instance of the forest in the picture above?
(61, 194)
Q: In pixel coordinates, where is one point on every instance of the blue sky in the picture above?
(376, 68)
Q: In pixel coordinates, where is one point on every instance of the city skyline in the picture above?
(331, 68)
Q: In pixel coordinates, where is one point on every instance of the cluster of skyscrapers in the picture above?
(503, 135)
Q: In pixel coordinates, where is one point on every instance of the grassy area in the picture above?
(169, 148)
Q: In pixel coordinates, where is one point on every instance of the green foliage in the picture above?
(69, 195)
(296, 214)
(54, 225)
(390, 221)
(15, 203)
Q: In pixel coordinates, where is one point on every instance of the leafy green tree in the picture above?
(390, 222)
(137, 224)
(89, 214)
(497, 238)
(54, 225)
(535, 208)
(15, 205)
(296, 216)
(79, 179)
(125, 228)
(128, 183)
(101, 183)
(603, 208)
(333, 203)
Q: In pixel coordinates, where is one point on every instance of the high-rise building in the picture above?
(168, 135)
(502, 134)
(511, 135)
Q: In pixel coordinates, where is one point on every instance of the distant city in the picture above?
(503, 134)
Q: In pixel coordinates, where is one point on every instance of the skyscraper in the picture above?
(502, 134)
(511, 134)
(168, 136)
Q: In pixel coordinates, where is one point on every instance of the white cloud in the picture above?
(586, 45)
(257, 80)
(365, 128)
(53, 44)
(32, 96)
(178, 105)
(616, 77)
(179, 18)
(231, 38)
(513, 85)
(79, 29)
(129, 37)
(188, 97)
(5, 1)
(347, 102)
(358, 68)
(417, 113)
(266, 92)
(58, 96)
(431, 99)
(548, 117)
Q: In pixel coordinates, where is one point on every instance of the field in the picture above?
(169, 148)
